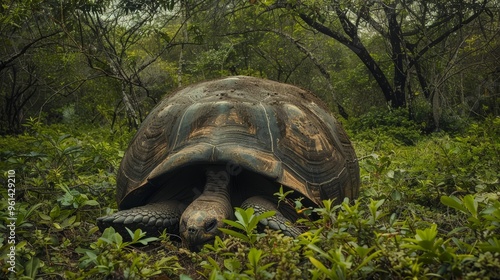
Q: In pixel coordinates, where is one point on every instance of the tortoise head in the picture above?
(201, 220)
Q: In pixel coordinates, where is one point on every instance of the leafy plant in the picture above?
(247, 222)
(483, 218)
(111, 256)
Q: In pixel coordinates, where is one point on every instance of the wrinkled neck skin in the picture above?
(201, 220)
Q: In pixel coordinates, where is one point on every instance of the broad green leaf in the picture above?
(254, 256)
(493, 245)
(68, 222)
(72, 149)
(471, 204)
(44, 217)
(31, 267)
(366, 259)
(318, 250)
(265, 215)
(91, 203)
(145, 241)
(185, 277)
(235, 234)
(232, 264)
(242, 217)
(118, 240)
(319, 265)
(63, 137)
(453, 202)
(213, 263)
(91, 254)
(55, 212)
(266, 266)
(234, 224)
(32, 209)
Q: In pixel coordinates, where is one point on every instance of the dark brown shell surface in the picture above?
(276, 130)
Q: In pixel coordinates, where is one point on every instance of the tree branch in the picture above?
(446, 34)
(5, 63)
(320, 67)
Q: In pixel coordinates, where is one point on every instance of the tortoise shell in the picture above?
(275, 130)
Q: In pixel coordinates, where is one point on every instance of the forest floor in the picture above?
(429, 208)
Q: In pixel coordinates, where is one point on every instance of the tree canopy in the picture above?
(437, 59)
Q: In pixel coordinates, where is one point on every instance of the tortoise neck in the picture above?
(217, 185)
(217, 180)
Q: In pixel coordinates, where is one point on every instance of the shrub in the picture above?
(380, 126)
(61, 179)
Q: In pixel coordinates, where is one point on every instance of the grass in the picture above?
(429, 208)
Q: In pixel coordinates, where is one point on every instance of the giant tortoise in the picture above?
(232, 142)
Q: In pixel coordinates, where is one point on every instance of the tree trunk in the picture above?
(131, 111)
(378, 74)
(436, 109)
(397, 56)
(184, 31)
(422, 81)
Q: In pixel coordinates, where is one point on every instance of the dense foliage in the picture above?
(427, 209)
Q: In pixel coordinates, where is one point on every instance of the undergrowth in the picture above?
(429, 208)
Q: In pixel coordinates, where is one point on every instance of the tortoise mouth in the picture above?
(198, 246)
(195, 240)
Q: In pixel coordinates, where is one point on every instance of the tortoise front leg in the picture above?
(151, 218)
(276, 222)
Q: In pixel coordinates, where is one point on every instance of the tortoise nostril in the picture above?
(210, 225)
(192, 230)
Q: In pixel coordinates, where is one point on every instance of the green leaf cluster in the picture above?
(110, 256)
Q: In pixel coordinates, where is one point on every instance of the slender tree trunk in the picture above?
(422, 81)
(184, 31)
(16, 99)
(179, 67)
(436, 109)
(131, 112)
(411, 98)
(496, 91)
(397, 56)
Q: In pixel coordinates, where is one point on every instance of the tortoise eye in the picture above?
(209, 226)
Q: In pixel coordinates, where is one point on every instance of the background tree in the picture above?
(122, 42)
(24, 28)
(37, 69)
(411, 29)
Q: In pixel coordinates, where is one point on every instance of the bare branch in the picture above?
(8, 61)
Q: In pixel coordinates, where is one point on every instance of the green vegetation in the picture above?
(429, 209)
